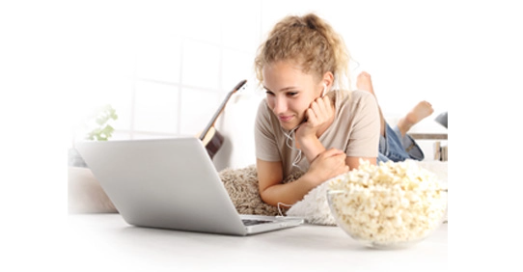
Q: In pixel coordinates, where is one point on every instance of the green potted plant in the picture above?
(98, 128)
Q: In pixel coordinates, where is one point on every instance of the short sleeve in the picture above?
(364, 139)
(264, 137)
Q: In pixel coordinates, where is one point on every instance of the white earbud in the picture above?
(324, 89)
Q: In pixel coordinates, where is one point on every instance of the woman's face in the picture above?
(289, 91)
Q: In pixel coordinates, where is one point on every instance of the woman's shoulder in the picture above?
(355, 103)
(352, 96)
(262, 106)
(264, 114)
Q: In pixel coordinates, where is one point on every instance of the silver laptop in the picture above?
(171, 184)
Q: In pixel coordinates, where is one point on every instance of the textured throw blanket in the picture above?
(242, 186)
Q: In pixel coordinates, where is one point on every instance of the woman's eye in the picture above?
(269, 93)
(292, 93)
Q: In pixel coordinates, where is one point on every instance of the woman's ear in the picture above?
(328, 80)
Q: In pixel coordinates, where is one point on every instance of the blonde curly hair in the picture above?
(312, 43)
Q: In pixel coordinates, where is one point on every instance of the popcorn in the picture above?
(388, 203)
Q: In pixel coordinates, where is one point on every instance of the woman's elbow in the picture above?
(265, 196)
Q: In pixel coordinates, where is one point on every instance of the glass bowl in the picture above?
(388, 217)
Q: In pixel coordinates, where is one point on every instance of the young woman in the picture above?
(302, 125)
(310, 124)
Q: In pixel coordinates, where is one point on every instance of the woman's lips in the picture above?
(285, 118)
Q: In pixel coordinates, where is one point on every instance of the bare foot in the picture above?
(422, 110)
(364, 83)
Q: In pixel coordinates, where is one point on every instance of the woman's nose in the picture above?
(280, 105)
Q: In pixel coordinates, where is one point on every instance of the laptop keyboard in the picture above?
(250, 222)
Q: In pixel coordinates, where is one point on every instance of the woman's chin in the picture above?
(288, 125)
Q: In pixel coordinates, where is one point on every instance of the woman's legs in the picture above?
(416, 114)
(409, 145)
(395, 144)
(391, 145)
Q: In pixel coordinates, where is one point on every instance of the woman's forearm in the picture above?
(288, 193)
(311, 148)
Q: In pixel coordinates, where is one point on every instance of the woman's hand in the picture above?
(317, 115)
(328, 164)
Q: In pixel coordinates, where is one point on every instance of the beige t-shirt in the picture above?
(354, 130)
